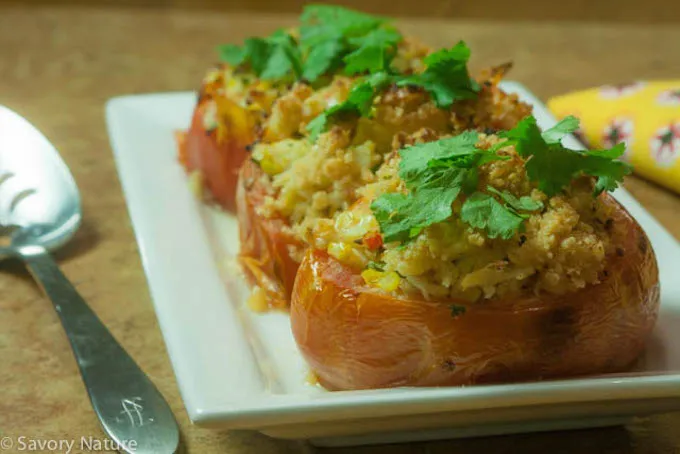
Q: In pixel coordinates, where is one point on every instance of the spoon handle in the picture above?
(131, 410)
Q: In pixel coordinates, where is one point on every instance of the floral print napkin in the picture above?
(643, 115)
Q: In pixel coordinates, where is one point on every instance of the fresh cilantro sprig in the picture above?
(524, 203)
(484, 212)
(333, 36)
(446, 79)
(358, 103)
(500, 218)
(330, 37)
(373, 52)
(403, 216)
(274, 57)
(553, 166)
(322, 58)
(437, 173)
(331, 18)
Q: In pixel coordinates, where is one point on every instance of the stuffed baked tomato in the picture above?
(486, 264)
(266, 89)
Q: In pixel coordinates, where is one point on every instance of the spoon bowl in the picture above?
(38, 195)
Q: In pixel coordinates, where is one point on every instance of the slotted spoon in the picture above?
(40, 211)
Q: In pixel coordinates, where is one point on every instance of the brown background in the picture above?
(60, 63)
(631, 11)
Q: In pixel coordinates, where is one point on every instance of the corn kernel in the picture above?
(270, 167)
(352, 226)
(339, 251)
(347, 254)
(388, 281)
(371, 277)
(274, 158)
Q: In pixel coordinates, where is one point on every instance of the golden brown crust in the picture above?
(355, 337)
(267, 245)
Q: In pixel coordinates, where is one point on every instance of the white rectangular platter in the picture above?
(241, 370)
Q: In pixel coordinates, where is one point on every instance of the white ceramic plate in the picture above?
(241, 370)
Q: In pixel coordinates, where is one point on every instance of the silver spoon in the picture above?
(40, 211)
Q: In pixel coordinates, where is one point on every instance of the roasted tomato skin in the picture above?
(355, 337)
(268, 249)
(218, 153)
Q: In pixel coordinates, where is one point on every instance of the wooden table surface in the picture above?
(58, 66)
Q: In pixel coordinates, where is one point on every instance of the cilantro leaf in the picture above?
(362, 95)
(443, 177)
(322, 58)
(317, 125)
(232, 54)
(445, 162)
(552, 166)
(417, 160)
(324, 46)
(446, 77)
(257, 53)
(274, 57)
(283, 58)
(332, 34)
(329, 37)
(278, 64)
(483, 211)
(373, 52)
(565, 126)
(347, 21)
(358, 103)
(524, 203)
(402, 216)
(524, 136)
(604, 164)
(435, 173)
(312, 35)
(614, 152)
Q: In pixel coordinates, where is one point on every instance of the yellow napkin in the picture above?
(643, 115)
